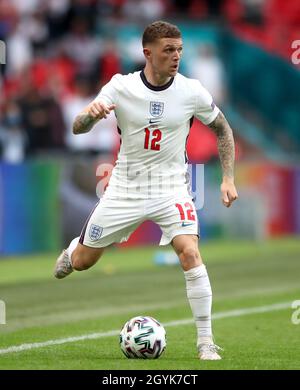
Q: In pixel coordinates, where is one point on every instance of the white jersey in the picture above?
(154, 124)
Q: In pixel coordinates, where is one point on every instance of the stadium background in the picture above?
(60, 52)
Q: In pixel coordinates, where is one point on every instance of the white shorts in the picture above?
(113, 220)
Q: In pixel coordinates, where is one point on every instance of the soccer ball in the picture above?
(143, 338)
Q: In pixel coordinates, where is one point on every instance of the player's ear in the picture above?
(147, 52)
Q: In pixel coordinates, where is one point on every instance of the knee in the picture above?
(78, 264)
(81, 262)
(84, 257)
(190, 253)
(190, 257)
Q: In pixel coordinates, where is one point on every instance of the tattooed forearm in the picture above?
(83, 123)
(225, 144)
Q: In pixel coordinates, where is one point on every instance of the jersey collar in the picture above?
(155, 87)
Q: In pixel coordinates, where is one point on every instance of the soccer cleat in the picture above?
(63, 266)
(209, 352)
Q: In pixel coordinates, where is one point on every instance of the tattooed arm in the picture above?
(226, 152)
(83, 123)
(87, 118)
(224, 134)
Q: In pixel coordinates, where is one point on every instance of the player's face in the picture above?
(165, 56)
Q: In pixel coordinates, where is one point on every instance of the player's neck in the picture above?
(155, 78)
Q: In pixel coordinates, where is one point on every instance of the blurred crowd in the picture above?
(58, 58)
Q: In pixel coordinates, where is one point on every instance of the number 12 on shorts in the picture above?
(186, 211)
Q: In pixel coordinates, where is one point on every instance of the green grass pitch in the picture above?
(262, 276)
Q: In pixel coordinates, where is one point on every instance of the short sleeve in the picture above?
(109, 92)
(206, 110)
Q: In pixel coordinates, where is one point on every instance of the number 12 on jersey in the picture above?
(152, 138)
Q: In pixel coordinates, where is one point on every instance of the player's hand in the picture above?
(99, 110)
(229, 192)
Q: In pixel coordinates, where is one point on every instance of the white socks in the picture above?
(200, 297)
(72, 247)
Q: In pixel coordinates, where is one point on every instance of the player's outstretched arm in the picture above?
(87, 118)
(226, 152)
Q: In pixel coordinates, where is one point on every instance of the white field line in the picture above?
(91, 336)
(55, 318)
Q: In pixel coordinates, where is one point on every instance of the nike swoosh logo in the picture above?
(153, 120)
(187, 224)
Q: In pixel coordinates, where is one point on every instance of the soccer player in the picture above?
(154, 108)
